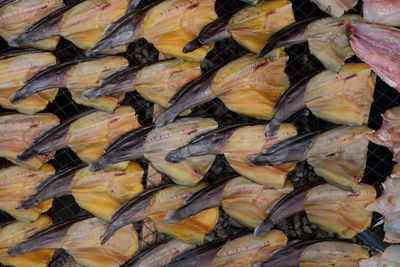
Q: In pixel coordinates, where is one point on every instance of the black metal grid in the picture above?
(301, 63)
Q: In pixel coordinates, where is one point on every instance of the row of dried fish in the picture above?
(331, 208)
(326, 148)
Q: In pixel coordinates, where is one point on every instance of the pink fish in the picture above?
(379, 47)
(382, 11)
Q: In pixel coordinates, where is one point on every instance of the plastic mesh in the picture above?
(301, 63)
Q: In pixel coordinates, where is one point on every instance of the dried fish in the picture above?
(16, 18)
(237, 143)
(327, 39)
(159, 255)
(101, 193)
(318, 253)
(154, 144)
(77, 76)
(378, 46)
(382, 12)
(17, 183)
(16, 68)
(155, 203)
(251, 26)
(30, 127)
(338, 155)
(249, 85)
(335, 8)
(343, 98)
(240, 198)
(389, 206)
(331, 208)
(157, 82)
(389, 133)
(81, 239)
(243, 251)
(16, 232)
(88, 134)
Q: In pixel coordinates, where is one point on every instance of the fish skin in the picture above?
(378, 46)
(382, 12)
(16, 184)
(290, 102)
(16, 232)
(32, 126)
(80, 240)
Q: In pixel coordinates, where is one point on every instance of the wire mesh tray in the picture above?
(379, 162)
